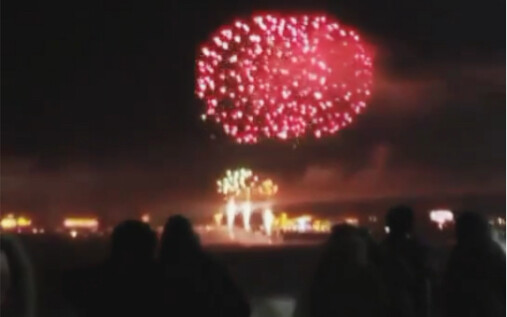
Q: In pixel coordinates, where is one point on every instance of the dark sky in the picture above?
(99, 115)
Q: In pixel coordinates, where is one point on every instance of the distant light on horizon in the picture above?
(24, 222)
(352, 221)
(441, 217)
(303, 223)
(11, 222)
(8, 222)
(81, 223)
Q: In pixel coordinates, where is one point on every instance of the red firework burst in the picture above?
(277, 76)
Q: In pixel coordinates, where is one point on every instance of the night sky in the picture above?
(99, 113)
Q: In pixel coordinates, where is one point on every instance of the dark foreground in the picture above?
(271, 277)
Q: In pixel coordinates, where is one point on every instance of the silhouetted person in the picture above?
(17, 284)
(405, 266)
(346, 282)
(475, 279)
(194, 284)
(125, 285)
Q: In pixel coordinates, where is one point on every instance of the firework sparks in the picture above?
(275, 76)
(267, 188)
(237, 183)
(267, 219)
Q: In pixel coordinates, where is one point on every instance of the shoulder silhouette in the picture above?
(125, 285)
(475, 276)
(194, 283)
(133, 245)
(405, 265)
(346, 282)
(17, 286)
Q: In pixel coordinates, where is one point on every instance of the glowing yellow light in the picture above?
(73, 234)
(326, 226)
(218, 217)
(303, 223)
(284, 223)
(88, 223)
(267, 188)
(24, 222)
(316, 225)
(8, 222)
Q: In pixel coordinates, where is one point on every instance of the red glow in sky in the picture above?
(283, 76)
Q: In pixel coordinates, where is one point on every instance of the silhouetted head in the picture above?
(400, 220)
(5, 276)
(347, 244)
(19, 292)
(133, 242)
(178, 239)
(472, 228)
